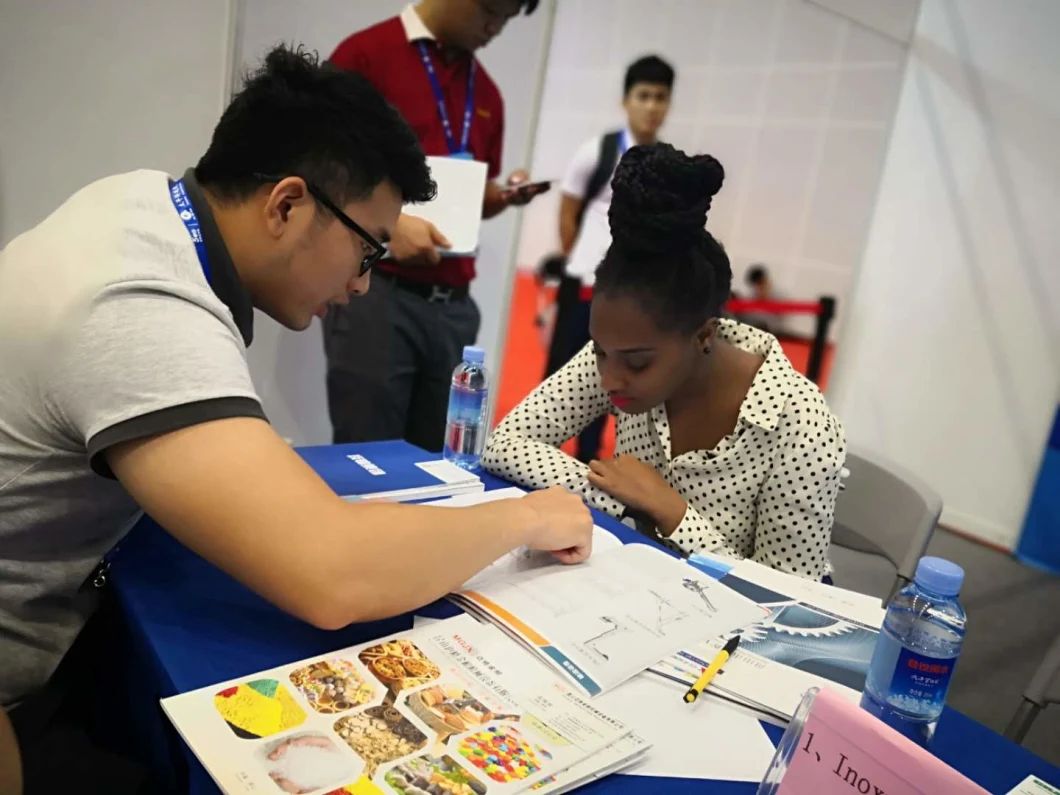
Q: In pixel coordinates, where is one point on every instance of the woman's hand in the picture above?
(639, 486)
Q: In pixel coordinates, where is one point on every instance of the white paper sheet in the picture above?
(464, 500)
(1032, 785)
(447, 472)
(457, 209)
(705, 740)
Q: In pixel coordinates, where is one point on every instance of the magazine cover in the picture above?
(427, 711)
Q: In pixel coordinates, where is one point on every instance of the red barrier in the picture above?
(744, 306)
(823, 309)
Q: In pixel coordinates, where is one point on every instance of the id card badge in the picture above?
(462, 156)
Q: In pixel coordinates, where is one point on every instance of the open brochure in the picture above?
(430, 710)
(809, 635)
(600, 622)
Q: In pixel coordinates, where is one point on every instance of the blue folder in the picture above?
(387, 470)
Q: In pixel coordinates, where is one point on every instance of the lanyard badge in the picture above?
(455, 150)
(178, 193)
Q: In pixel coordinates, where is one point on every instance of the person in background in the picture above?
(760, 284)
(583, 230)
(547, 278)
(419, 315)
(721, 445)
(126, 389)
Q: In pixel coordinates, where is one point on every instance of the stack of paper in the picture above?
(387, 472)
(808, 635)
(431, 710)
(603, 621)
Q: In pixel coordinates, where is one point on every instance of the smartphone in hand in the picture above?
(522, 194)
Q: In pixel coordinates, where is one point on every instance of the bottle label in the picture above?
(467, 406)
(922, 677)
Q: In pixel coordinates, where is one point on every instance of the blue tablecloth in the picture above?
(188, 625)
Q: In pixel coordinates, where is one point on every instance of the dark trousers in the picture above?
(391, 355)
(72, 734)
(569, 335)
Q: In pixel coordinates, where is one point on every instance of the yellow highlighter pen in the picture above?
(708, 673)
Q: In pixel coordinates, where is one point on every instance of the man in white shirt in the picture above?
(125, 318)
(583, 227)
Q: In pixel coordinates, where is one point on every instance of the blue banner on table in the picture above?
(1040, 542)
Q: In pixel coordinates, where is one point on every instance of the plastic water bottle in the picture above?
(466, 424)
(916, 651)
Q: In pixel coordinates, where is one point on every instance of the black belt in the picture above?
(434, 293)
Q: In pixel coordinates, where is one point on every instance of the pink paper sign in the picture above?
(844, 750)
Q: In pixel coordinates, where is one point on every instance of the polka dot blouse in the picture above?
(767, 491)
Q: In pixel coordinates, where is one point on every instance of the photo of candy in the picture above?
(433, 775)
(306, 762)
(257, 709)
(502, 753)
(399, 665)
(380, 734)
(332, 686)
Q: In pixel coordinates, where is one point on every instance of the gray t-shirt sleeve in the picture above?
(150, 356)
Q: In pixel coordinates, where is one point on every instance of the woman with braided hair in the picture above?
(721, 445)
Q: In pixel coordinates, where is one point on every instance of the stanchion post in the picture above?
(820, 338)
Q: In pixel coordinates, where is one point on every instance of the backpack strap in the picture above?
(605, 167)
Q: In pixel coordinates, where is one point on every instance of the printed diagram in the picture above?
(665, 613)
(600, 638)
(700, 590)
(590, 645)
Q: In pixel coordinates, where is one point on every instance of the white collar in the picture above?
(415, 30)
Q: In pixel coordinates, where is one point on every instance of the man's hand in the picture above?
(639, 486)
(561, 525)
(512, 195)
(416, 242)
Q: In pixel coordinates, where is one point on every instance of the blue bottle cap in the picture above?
(939, 576)
(474, 355)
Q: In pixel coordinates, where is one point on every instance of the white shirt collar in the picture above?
(415, 30)
(775, 380)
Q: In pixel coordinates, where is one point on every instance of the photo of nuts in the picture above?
(332, 686)
(380, 734)
(399, 665)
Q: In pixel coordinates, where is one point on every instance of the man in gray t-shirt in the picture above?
(124, 321)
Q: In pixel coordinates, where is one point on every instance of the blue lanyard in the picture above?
(443, 113)
(179, 194)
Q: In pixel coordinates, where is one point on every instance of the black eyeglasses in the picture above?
(376, 249)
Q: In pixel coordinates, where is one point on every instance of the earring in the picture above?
(706, 350)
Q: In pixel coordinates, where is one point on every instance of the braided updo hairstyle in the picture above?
(660, 252)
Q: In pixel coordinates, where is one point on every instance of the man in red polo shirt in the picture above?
(391, 353)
